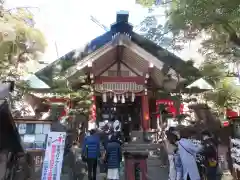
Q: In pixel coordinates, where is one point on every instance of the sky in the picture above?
(67, 25)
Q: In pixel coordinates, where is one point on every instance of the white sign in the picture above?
(52, 164)
(29, 138)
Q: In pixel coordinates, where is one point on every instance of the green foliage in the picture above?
(81, 97)
(219, 23)
(19, 42)
(219, 20)
(213, 71)
(161, 34)
(146, 3)
(225, 95)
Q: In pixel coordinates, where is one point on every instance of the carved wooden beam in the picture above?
(105, 69)
(130, 68)
(119, 56)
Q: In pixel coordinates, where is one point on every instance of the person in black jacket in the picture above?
(113, 158)
(210, 154)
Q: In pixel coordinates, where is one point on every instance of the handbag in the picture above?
(85, 154)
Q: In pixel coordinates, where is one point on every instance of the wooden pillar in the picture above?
(145, 113)
(92, 118)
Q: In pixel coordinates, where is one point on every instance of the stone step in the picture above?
(137, 137)
(143, 145)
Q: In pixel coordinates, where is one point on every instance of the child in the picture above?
(178, 165)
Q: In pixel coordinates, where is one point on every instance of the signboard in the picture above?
(37, 156)
(53, 159)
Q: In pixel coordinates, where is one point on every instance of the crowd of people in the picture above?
(110, 158)
(183, 153)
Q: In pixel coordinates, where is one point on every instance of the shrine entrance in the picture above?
(128, 111)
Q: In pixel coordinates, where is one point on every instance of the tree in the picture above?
(218, 20)
(158, 33)
(20, 42)
(218, 23)
(79, 93)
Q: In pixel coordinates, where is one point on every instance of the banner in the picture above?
(169, 107)
(53, 159)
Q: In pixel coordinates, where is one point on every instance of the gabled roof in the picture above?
(59, 67)
(201, 84)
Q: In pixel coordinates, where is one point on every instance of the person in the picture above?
(117, 126)
(210, 155)
(113, 157)
(126, 129)
(178, 165)
(91, 153)
(188, 151)
(170, 146)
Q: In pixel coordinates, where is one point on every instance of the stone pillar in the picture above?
(145, 113)
(129, 169)
(135, 160)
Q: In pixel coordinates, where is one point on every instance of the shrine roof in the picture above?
(59, 67)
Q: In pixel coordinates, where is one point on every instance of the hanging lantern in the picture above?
(127, 95)
(119, 97)
(110, 95)
(115, 98)
(123, 99)
(104, 97)
(91, 76)
(147, 76)
(133, 97)
(145, 91)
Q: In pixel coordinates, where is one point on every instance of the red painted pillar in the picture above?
(145, 113)
(94, 108)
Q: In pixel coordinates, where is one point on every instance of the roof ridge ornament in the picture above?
(121, 39)
(122, 25)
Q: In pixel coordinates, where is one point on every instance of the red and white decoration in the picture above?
(119, 91)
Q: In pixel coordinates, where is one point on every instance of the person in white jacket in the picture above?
(188, 151)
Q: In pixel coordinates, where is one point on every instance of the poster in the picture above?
(53, 159)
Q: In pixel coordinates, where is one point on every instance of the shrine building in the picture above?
(125, 71)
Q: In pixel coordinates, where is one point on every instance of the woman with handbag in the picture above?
(188, 151)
